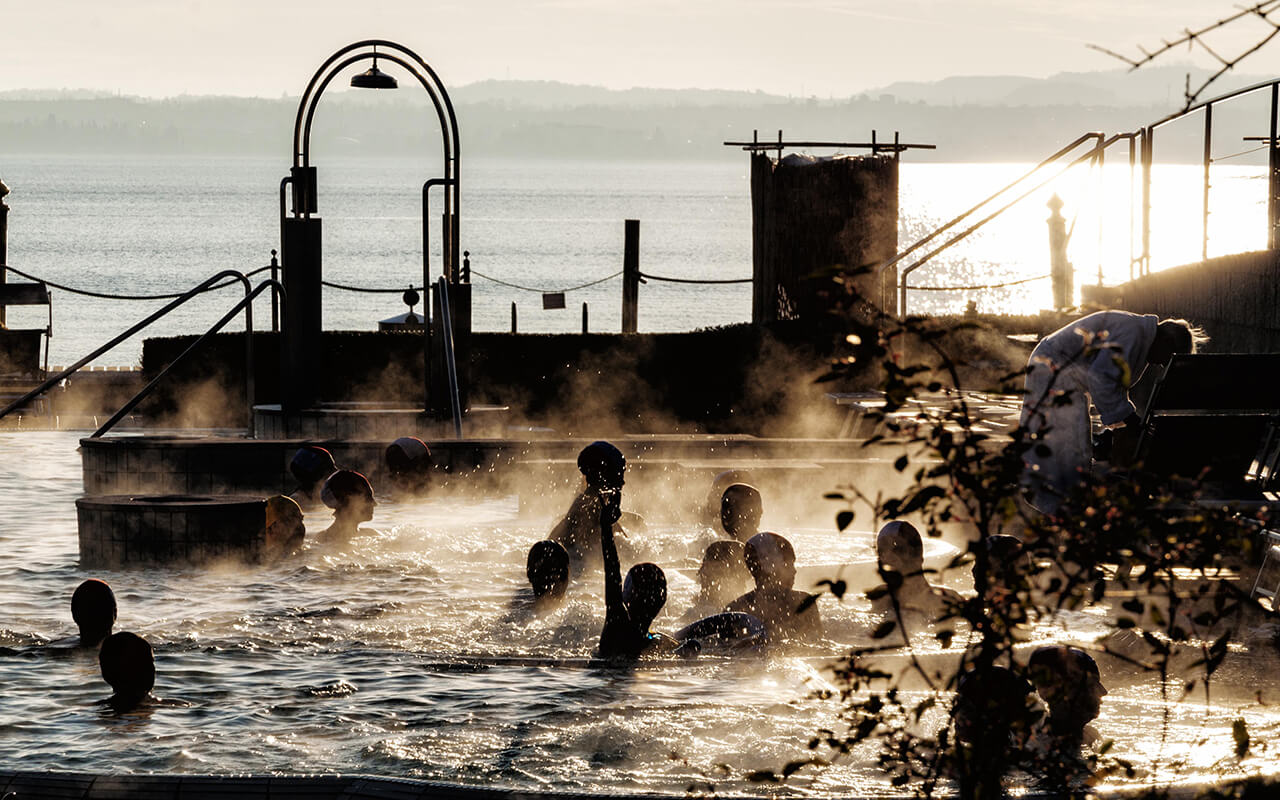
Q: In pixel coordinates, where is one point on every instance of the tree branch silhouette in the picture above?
(1197, 38)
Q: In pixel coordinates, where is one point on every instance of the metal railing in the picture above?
(245, 303)
(150, 318)
(1100, 143)
(450, 363)
(1141, 151)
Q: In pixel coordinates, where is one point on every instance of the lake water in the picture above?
(139, 225)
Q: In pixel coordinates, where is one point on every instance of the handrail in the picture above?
(451, 365)
(957, 220)
(248, 319)
(245, 303)
(1096, 152)
(1213, 101)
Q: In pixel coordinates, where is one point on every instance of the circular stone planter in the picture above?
(142, 530)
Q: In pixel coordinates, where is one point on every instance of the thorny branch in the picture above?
(1196, 38)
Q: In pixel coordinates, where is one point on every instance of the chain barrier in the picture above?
(664, 279)
(544, 291)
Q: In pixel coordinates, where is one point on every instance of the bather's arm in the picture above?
(619, 634)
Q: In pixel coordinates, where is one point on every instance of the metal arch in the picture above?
(445, 114)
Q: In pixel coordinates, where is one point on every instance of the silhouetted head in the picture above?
(899, 547)
(989, 705)
(1173, 337)
(603, 465)
(93, 607)
(349, 494)
(284, 527)
(771, 560)
(740, 511)
(645, 593)
(409, 461)
(1008, 564)
(311, 464)
(1067, 680)
(722, 481)
(129, 666)
(723, 574)
(548, 568)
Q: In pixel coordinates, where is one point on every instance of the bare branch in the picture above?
(1260, 10)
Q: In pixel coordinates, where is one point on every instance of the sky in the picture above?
(823, 48)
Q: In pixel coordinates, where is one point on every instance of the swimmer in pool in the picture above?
(722, 578)
(900, 549)
(602, 466)
(786, 612)
(350, 496)
(408, 462)
(548, 571)
(129, 666)
(93, 607)
(284, 531)
(740, 511)
(722, 481)
(309, 467)
(1068, 682)
(994, 712)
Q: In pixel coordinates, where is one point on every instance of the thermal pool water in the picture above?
(402, 653)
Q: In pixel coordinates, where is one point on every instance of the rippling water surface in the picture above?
(402, 654)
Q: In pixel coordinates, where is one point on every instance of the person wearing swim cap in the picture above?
(93, 607)
(787, 613)
(602, 466)
(723, 480)
(350, 496)
(310, 466)
(1067, 679)
(740, 511)
(900, 550)
(128, 665)
(722, 578)
(408, 461)
(994, 711)
(548, 570)
(284, 531)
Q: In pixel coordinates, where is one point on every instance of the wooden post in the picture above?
(513, 317)
(584, 317)
(4, 248)
(630, 275)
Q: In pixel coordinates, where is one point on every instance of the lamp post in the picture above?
(300, 230)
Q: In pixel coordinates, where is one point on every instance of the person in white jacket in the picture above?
(1092, 360)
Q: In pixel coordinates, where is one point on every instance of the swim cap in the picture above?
(407, 453)
(128, 664)
(548, 564)
(344, 485)
(901, 541)
(282, 509)
(312, 464)
(645, 589)
(602, 463)
(1063, 661)
(93, 606)
(768, 547)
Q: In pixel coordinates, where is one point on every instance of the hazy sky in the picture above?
(819, 47)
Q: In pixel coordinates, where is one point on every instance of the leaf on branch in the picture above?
(901, 463)
(763, 776)
(922, 498)
(833, 496)
(838, 588)
(844, 519)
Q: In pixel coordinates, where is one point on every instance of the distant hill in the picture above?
(1149, 86)
(970, 118)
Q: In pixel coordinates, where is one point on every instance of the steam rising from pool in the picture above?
(401, 652)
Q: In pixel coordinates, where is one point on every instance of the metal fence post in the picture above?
(4, 248)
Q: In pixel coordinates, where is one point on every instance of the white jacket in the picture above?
(1129, 336)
